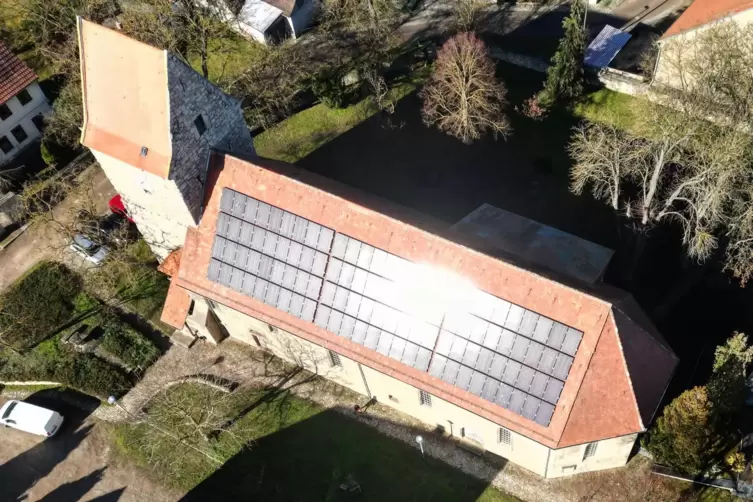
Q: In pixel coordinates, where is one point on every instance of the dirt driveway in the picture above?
(74, 465)
(42, 242)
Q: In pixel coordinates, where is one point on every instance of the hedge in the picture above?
(51, 362)
(38, 304)
(127, 344)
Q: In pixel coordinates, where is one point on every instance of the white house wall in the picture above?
(22, 114)
(155, 204)
(453, 419)
(665, 73)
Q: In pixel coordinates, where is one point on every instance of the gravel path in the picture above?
(241, 363)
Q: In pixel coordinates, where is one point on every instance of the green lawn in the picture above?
(304, 132)
(607, 106)
(296, 451)
(229, 58)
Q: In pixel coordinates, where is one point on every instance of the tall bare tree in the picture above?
(463, 97)
(691, 166)
(184, 27)
(604, 158)
(468, 13)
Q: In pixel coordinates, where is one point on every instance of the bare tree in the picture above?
(183, 27)
(182, 421)
(467, 13)
(373, 17)
(604, 158)
(463, 97)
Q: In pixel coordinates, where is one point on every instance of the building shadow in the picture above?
(22, 472)
(334, 457)
(74, 490)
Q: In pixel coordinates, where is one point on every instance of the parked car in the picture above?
(30, 418)
(90, 251)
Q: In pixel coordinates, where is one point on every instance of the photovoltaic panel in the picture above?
(497, 350)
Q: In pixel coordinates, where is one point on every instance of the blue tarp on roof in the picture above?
(602, 50)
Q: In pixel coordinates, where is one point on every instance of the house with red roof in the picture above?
(698, 17)
(531, 358)
(23, 106)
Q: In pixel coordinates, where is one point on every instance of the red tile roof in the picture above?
(15, 76)
(599, 399)
(177, 304)
(702, 12)
(170, 266)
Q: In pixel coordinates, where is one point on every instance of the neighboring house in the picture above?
(558, 376)
(23, 106)
(699, 16)
(270, 21)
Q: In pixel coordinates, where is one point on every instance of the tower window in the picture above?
(590, 451)
(424, 398)
(144, 151)
(201, 127)
(334, 359)
(5, 112)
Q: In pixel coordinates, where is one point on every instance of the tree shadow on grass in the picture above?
(333, 457)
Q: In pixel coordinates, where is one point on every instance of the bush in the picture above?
(49, 361)
(329, 88)
(686, 436)
(91, 375)
(47, 156)
(38, 304)
(127, 344)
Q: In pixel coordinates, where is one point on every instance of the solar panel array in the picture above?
(495, 349)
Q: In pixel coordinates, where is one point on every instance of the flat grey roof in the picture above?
(535, 243)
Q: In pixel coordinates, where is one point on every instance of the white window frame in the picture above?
(334, 359)
(590, 451)
(505, 437)
(424, 398)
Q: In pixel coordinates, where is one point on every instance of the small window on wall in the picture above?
(505, 436)
(19, 133)
(38, 121)
(5, 112)
(590, 451)
(334, 359)
(201, 126)
(24, 97)
(424, 398)
(5, 145)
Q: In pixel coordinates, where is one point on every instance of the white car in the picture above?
(30, 418)
(89, 250)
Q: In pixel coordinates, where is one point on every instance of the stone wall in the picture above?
(191, 97)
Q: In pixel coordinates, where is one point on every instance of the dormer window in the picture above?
(201, 127)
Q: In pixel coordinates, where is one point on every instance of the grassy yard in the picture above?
(304, 132)
(295, 451)
(607, 106)
(229, 58)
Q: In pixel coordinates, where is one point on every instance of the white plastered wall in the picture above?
(155, 204)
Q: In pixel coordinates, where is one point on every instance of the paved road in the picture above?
(44, 241)
(658, 13)
(74, 465)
